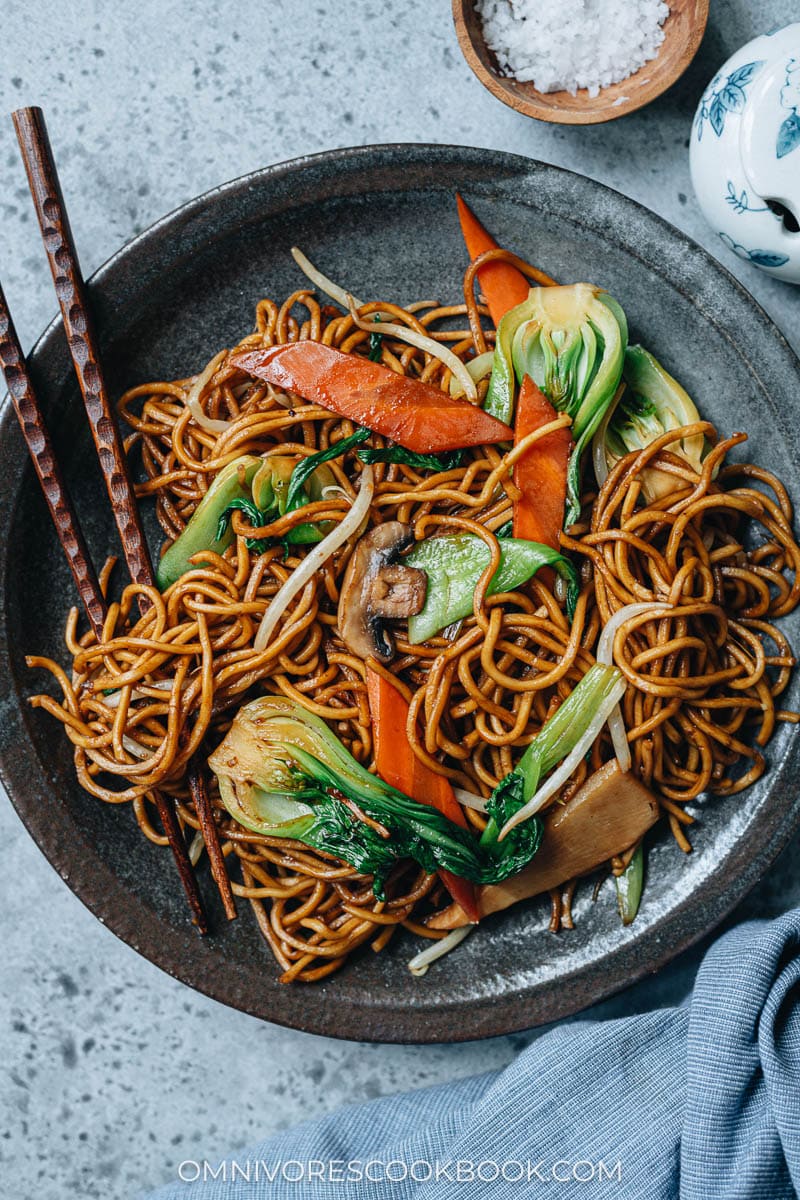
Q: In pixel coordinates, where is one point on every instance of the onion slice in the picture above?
(470, 800)
(392, 329)
(160, 685)
(196, 847)
(419, 964)
(315, 559)
(605, 655)
(422, 342)
(478, 367)
(193, 401)
(560, 777)
(321, 282)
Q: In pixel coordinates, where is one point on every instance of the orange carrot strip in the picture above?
(503, 285)
(541, 473)
(399, 766)
(415, 414)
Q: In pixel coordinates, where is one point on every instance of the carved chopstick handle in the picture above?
(57, 236)
(177, 844)
(40, 448)
(199, 793)
(37, 439)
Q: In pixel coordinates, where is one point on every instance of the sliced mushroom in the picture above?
(378, 588)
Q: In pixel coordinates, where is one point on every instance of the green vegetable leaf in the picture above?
(299, 535)
(307, 466)
(653, 403)
(454, 564)
(417, 832)
(409, 458)
(629, 887)
(250, 509)
(507, 798)
(281, 769)
(375, 343)
(571, 341)
(555, 740)
(372, 454)
(203, 531)
(260, 489)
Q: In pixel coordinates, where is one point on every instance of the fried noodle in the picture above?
(704, 679)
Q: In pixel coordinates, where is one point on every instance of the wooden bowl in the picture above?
(683, 32)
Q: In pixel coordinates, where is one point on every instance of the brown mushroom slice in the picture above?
(608, 814)
(378, 588)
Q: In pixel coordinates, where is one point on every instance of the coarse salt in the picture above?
(563, 45)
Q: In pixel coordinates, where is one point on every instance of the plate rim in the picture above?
(101, 891)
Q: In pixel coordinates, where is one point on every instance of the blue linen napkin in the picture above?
(692, 1102)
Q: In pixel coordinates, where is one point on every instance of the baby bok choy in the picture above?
(230, 485)
(565, 738)
(263, 490)
(629, 887)
(571, 341)
(455, 562)
(283, 773)
(653, 404)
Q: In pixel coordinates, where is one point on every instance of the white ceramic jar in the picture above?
(745, 153)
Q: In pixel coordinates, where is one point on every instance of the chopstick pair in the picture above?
(70, 289)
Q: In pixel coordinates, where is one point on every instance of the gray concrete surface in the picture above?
(110, 1072)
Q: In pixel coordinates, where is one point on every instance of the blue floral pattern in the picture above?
(740, 201)
(789, 132)
(725, 93)
(761, 258)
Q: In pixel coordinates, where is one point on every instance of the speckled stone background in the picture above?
(111, 1073)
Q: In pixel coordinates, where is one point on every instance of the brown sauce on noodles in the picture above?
(705, 679)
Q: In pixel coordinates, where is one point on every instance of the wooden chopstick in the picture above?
(40, 447)
(71, 291)
(216, 859)
(59, 245)
(37, 439)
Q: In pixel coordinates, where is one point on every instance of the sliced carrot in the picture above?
(503, 285)
(399, 766)
(414, 414)
(541, 473)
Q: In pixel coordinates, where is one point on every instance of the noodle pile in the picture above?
(164, 682)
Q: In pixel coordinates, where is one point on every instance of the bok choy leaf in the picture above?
(454, 564)
(561, 737)
(629, 887)
(281, 486)
(263, 489)
(283, 773)
(204, 531)
(306, 468)
(571, 341)
(654, 403)
(446, 461)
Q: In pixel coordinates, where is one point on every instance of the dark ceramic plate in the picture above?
(382, 221)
